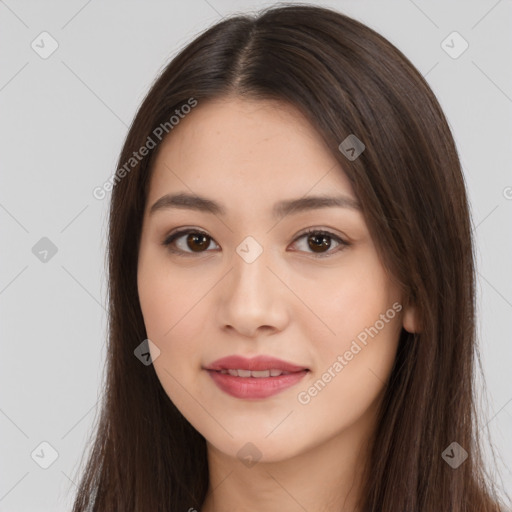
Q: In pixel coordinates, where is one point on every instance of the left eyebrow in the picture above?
(280, 209)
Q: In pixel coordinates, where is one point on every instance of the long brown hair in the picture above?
(346, 79)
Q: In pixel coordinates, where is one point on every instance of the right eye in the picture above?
(196, 241)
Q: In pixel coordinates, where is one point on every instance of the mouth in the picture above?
(255, 378)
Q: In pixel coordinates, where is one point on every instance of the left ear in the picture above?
(410, 320)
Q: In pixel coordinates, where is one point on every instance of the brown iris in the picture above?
(197, 242)
(320, 241)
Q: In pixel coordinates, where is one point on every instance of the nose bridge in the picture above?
(252, 296)
(250, 271)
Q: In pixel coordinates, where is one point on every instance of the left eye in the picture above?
(198, 241)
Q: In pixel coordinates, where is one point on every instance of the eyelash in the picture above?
(174, 236)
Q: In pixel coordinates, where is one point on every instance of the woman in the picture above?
(292, 321)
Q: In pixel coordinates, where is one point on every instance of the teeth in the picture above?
(257, 374)
(260, 373)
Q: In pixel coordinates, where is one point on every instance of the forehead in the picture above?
(246, 150)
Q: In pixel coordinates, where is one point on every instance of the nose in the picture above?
(253, 297)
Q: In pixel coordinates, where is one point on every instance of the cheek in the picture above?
(355, 354)
(174, 315)
(164, 297)
(349, 300)
(168, 314)
(352, 367)
(174, 309)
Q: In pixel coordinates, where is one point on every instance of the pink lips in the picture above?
(254, 387)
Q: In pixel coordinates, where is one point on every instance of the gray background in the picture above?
(63, 120)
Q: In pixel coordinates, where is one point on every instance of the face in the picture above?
(235, 276)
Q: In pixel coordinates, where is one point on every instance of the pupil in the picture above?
(322, 244)
(202, 241)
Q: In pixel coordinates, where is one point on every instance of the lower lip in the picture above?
(255, 387)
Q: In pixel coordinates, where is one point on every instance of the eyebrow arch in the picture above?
(280, 209)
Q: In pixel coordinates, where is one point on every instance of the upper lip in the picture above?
(256, 363)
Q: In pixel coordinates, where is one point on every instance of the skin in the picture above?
(288, 303)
